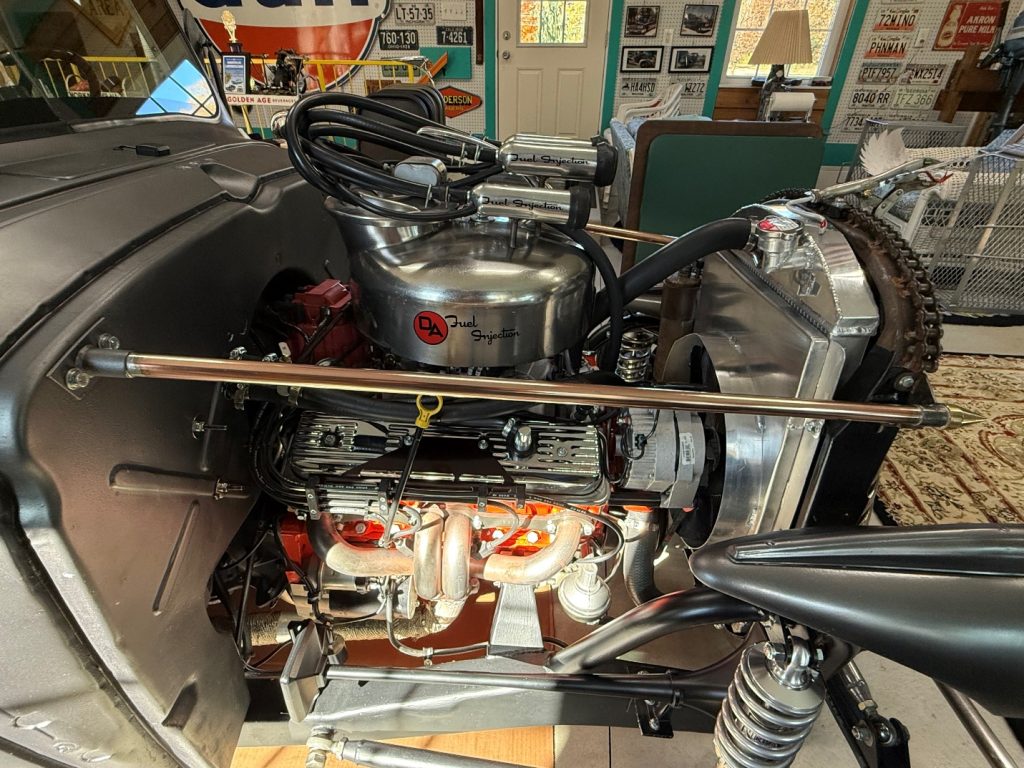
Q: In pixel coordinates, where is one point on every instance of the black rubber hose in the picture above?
(638, 566)
(721, 235)
(335, 169)
(613, 290)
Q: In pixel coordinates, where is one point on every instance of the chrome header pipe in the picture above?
(112, 363)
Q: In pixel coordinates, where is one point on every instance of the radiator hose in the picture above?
(612, 293)
(685, 250)
(638, 555)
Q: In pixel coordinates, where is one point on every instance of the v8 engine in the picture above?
(401, 508)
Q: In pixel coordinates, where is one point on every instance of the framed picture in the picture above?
(690, 59)
(642, 20)
(699, 20)
(636, 59)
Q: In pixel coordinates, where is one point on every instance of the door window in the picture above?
(552, 22)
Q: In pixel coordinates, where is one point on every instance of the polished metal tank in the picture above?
(464, 297)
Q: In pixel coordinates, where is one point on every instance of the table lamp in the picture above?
(786, 40)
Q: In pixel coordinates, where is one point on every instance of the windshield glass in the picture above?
(63, 62)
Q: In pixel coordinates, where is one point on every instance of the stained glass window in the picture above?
(752, 19)
(552, 22)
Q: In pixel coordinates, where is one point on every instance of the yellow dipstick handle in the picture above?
(423, 420)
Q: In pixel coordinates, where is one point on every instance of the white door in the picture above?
(551, 57)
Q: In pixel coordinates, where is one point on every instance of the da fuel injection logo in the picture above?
(430, 327)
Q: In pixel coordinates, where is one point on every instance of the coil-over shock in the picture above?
(771, 706)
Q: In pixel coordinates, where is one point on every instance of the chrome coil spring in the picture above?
(635, 355)
(770, 708)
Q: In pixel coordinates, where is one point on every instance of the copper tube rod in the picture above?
(629, 234)
(116, 364)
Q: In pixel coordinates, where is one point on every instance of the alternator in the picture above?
(664, 453)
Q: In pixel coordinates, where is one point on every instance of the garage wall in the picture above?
(634, 87)
(895, 71)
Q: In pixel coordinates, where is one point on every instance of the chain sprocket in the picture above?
(888, 258)
(920, 346)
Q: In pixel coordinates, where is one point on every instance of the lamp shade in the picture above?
(785, 40)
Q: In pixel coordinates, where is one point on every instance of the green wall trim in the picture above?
(853, 32)
(490, 68)
(725, 16)
(838, 154)
(611, 67)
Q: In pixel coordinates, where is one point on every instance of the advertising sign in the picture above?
(459, 102)
(966, 24)
(331, 29)
(235, 72)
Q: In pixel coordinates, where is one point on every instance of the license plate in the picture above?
(869, 98)
(414, 13)
(915, 98)
(454, 35)
(399, 39)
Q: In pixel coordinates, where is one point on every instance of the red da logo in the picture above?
(430, 327)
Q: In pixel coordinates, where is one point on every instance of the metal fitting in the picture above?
(108, 341)
(76, 379)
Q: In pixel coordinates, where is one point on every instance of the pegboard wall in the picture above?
(896, 72)
(409, 28)
(638, 86)
(447, 13)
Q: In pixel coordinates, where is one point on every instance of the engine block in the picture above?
(344, 460)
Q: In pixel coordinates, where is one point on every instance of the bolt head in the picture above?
(904, 382)
(862, 734)
(109, 341)
(76, 379)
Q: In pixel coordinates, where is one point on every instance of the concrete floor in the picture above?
(983, 340)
